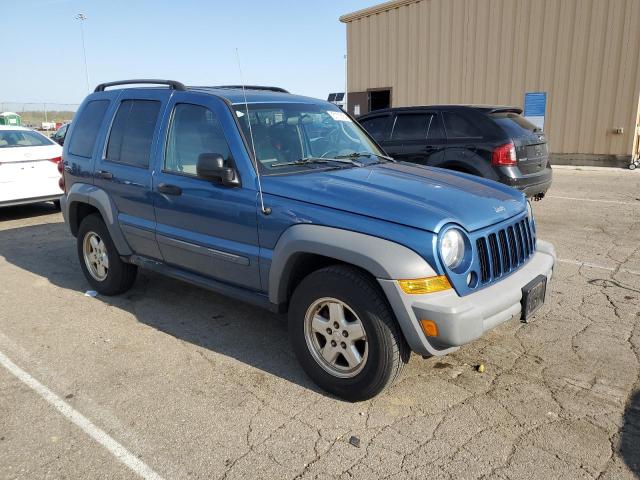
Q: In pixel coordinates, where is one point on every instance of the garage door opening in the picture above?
(379, 99)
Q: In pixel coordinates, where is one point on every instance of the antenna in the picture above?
(266, 210)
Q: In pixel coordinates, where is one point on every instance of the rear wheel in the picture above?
(99, 259)
(344, 333)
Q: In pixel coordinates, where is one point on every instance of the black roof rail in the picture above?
(172, 83)
(253, 87)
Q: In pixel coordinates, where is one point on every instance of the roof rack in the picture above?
(172, 83)
(253, 87)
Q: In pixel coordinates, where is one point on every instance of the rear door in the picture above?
(419, 137)
(464, 136)
(530, 142)
(124, 168)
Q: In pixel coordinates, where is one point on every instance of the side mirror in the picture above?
(211, 166)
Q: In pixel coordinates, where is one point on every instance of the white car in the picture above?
(28, 167)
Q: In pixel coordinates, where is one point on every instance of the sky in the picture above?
(297, 45)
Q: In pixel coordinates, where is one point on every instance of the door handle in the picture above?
(106, 175)
(169, 189)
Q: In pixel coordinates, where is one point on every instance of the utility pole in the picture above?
(82, 17)
(346, 84)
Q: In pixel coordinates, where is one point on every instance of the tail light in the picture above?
(504, 155)
(56, 160)
(61, 171)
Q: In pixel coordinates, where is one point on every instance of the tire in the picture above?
(384, 351)
(118, 276)
(56, 204)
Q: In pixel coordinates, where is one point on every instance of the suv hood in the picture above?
(408, 194)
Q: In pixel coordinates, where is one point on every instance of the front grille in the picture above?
(503, 251)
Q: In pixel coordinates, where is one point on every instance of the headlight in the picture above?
(529, 211)
(452, 248)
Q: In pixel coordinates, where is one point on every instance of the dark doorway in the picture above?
(379, 99)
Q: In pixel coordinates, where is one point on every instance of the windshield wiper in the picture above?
(312, 160)
(366, 154)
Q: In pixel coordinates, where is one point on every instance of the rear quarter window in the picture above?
(459, 126)
(86, 129)
(513, 124)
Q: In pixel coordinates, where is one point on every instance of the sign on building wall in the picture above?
(535, 106)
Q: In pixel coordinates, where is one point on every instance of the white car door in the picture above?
(28, 166)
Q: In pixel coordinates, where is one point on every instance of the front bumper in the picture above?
(461, 320)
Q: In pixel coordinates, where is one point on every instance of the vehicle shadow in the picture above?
(630, 434)
(27, 211)
(251, 335)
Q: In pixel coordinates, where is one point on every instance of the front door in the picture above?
(203, 226)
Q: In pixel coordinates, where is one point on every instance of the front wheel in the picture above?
(99, 259)
(344, 334)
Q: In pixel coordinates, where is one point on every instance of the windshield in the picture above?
(22, 138)
(286, 133)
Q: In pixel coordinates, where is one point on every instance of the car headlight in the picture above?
(529, 211)
(452, 248)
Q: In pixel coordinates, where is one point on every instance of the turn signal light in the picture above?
(429, 328)
(425, 285)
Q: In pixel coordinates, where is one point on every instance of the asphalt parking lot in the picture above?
(170, 381)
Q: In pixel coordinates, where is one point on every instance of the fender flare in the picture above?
(98, 198)
(382, 258)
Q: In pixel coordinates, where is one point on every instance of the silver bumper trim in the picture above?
(461, 320)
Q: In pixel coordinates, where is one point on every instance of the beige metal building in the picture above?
(585, 54)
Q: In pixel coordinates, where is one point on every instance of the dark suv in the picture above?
(489, 141)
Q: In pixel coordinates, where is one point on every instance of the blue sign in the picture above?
(535, 106)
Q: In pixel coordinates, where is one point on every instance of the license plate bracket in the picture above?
(533, 296)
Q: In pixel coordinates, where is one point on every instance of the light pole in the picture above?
(346, 84)
(82, 17)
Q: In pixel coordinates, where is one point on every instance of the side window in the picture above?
(377, 127)
(436, 129)
(194, 130)
(411, 126)
(132, 132)
(459, 126)
(86, 128)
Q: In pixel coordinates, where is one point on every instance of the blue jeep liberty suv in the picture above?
(285, 202)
